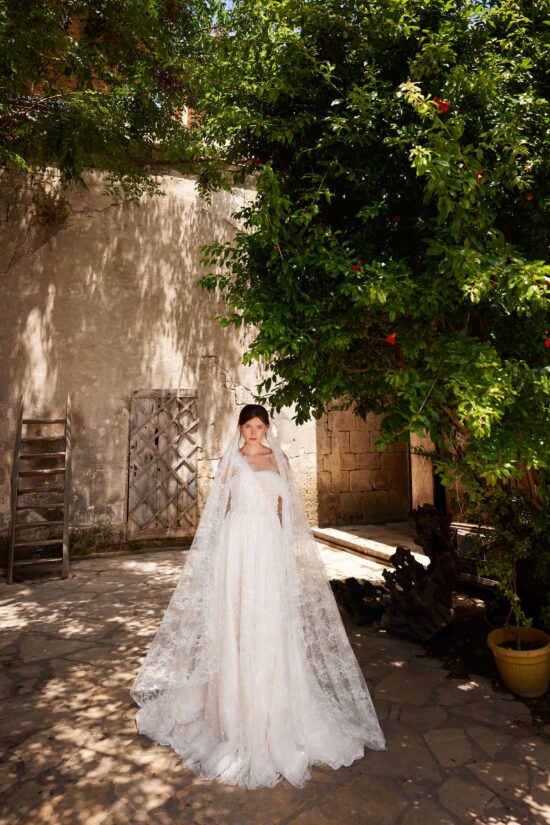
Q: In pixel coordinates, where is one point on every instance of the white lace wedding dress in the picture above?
(251, 677)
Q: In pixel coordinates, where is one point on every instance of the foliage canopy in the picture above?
(100, 83)
(396, 255)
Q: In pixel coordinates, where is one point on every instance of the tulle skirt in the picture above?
(262, 715)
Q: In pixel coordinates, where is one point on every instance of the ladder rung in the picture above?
(41, 490)
(39, 506)
(42, 455)
(43, 421)
(43, 437)
(29, 562)
(37, 543)
(57, 471)
(24, 525)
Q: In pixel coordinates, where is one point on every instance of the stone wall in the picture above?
(356, 482)
(99, 299)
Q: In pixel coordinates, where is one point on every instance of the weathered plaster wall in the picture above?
(100, 299)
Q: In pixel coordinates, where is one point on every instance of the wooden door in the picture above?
(162, 488)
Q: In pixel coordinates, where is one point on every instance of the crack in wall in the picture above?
(239, 391)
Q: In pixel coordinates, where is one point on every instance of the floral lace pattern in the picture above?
(251, 677)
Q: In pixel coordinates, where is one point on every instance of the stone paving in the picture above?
(458, 751)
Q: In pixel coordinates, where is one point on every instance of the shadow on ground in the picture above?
(457, 751)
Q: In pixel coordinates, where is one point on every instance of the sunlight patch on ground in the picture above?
(468, 686)
(73, 755)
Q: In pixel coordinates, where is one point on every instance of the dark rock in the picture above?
(421, 598)
(362, 600)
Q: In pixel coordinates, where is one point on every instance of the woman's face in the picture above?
(253, 431)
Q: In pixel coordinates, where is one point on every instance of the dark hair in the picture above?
(253, 411)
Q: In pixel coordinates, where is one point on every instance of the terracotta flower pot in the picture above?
(525, 672)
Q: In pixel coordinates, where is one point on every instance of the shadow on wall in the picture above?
(99, 299)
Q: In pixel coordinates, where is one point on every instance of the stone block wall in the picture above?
(356, 482)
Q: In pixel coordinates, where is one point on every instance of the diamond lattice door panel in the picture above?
(162, 489)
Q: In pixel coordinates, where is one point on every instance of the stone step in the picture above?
(381, 551)
(360, 539)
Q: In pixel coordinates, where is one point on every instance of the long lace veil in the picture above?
(183, 651)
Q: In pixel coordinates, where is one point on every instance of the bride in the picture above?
(251, 677)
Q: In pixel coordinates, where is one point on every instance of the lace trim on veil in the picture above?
(183, 651)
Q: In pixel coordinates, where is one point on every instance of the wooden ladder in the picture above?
(31, 450)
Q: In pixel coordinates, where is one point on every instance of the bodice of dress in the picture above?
(259, 490)
(271, 484)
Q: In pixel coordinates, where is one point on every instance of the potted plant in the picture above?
(517, 542)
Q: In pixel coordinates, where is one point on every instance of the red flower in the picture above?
(391, 339)
(257, 161)
(479, 175)
(547, 343)
(529, 196)
(396, 219)
(442, 105)
(356, 267)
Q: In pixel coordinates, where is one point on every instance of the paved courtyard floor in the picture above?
(458, 751)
